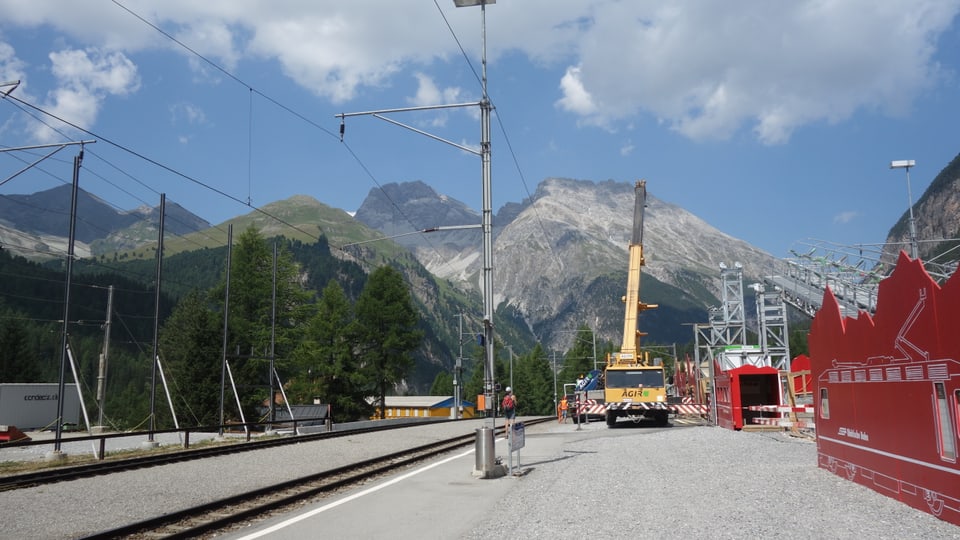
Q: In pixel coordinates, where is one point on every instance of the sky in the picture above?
(775, 122)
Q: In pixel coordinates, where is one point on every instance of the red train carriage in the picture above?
(740, 388)
(888, 391)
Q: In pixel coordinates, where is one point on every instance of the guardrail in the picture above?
(249, 428)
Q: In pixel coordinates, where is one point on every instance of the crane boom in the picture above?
(633, 306)
(632, 388)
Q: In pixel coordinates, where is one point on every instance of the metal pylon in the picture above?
(772, 317)
(732, 324)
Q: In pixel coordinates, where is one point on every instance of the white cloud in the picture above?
(627, 148)
(96, 71)
(428, 93)
(84, 79)
(193, 114)
(845, 217)
(11, 67)
(706, 69)
(576, 98)
(188, 113)
(213, 39)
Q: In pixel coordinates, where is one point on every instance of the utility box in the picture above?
(32, 406)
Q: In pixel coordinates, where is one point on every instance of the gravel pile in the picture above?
(703, 482)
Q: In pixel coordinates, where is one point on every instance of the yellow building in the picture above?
(425, 407)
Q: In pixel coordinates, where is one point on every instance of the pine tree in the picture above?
(251, 312)
(18, 361)
(579, 359)
(442, 384)
(325, 364)
(535, 379)
(191, 349)
(387, 331)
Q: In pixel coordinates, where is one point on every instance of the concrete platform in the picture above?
(444, 499)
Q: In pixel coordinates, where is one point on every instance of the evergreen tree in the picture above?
(579, 359)
(473, 386)
(536, 383)
(325, 363)
(128, 389)
(191, 348)
(18, 360)
(442, 384)
(251, 312)
(387, 331)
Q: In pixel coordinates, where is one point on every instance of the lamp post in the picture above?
(554, 380)
(487, 218)
(906, 164)
(485, 437)
(593, 336)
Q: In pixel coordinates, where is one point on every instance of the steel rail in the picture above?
(217, 515)
(59, 474)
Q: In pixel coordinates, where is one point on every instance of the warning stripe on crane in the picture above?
(591, 407)
(782, 409)
(637, 405)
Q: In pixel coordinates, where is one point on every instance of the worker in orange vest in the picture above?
(562, 411)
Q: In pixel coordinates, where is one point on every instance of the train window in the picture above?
(945, 427)
(824, 404)
(956, 404)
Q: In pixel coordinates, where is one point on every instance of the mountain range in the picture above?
(38, 225)
(560, 256)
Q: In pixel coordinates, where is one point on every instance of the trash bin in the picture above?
(484, 450)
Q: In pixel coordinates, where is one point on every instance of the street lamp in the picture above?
(487, 217)
(906, 164)
(485, 440)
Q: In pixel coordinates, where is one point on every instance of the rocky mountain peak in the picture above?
(571, 235)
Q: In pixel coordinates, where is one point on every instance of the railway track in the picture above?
(109, 466)
(217, 515)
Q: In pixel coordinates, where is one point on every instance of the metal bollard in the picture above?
(484, 450)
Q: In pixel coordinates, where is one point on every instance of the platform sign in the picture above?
(516, 442)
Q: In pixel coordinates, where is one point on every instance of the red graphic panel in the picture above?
(887, 391)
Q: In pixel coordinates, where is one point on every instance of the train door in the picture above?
(946, 422)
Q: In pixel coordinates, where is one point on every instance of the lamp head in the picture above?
(902, 164)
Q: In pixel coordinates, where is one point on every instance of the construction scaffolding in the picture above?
(722, 344)
(726, 327)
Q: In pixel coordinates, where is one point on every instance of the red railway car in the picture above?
(888, 391)
(740, 388)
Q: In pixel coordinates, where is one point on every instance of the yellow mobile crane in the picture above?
(632, 387)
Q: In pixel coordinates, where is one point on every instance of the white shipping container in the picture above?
(32, 406)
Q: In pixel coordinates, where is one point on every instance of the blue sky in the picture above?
(773, 121)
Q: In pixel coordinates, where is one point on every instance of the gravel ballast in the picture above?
(678, 482)
(701, 482)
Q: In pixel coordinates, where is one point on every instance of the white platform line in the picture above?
(324, 508)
